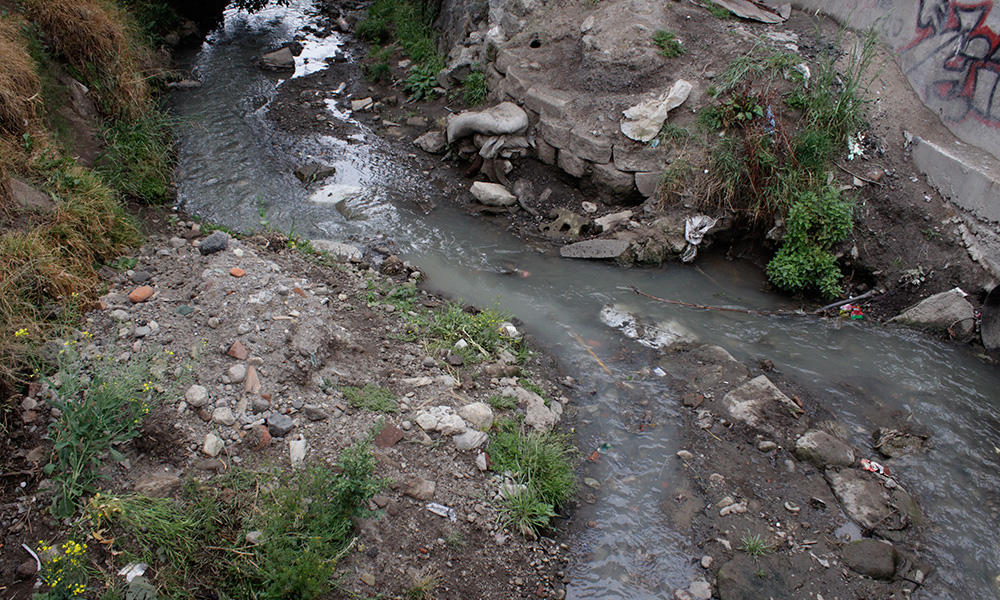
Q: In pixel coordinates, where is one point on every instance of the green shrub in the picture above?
(421, 82)
(97, 412)
(815, 222)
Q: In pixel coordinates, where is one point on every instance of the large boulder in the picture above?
(948, 311)
(873, 558)
(884, 509)
(822, 449)
(505, 118)
(758, 403)
(748, 578)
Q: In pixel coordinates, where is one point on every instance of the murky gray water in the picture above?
(233, 163)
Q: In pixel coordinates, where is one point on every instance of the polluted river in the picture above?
(236, 169)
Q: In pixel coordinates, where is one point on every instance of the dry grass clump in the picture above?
(48, 272)
(98, 40)
(19, 87)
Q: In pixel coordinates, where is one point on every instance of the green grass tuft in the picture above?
(540, 462)
(371, 398)
(670, 46)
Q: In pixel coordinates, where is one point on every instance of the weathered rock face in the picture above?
(947, 311)
(822, 449)
(597, 249)
(757, 401)
(871, 505)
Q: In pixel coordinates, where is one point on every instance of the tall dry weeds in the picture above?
(19, 87)
(96, 38)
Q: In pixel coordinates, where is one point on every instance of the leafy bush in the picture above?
(815, 222)
(421, 82)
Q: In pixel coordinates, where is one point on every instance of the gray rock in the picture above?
(492, 194)
(420, 489)
(120, 315)
(544, 101)
(872, 558)
(571, 163)
(223, 415)
(588, 146)
(237, 373)
(313, 172)
(870, 504)
(432, 142)
(158, 485)
(637, 157)
(822, 449)
(536, 414)
(314, 413)
(253, 537)
(451, 425)
(196, 396)
(942, 312)
(213, 445)
(648, 182)
(260, 405)
(279, 60)
(140, 276)
(756, 401)
(766, 446)
(478, 414)
(142, 331)
(29, 198)
(700, 590)
(279, 425)
(620, 184)
(470, 439)
(297, 452)
(217, 241)
(341, 250)
(595, 249)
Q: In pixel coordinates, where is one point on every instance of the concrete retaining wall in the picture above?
(949, 50)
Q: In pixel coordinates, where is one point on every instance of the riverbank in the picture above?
(720, 446)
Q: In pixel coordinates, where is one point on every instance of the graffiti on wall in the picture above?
(957, 42)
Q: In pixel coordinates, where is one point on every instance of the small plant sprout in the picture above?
(755, 545)
(670, 46)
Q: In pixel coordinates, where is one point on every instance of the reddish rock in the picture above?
(237, 272)
(299, 291)
(141, 294)
(258, 438)
(29, 416)
(238, 351)
(389, 435)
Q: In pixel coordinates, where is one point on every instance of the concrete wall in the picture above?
(949, 50)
